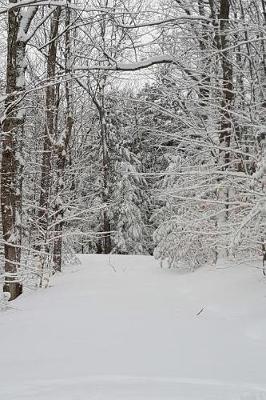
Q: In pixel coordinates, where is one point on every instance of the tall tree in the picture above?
(19, 21)
(50, 132)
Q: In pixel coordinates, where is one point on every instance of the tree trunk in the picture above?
(62, 150)
(227, 84)
(12, 126)
(107, 244)
(49, 135)
(226, 131)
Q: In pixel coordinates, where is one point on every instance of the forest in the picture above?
(133, 128)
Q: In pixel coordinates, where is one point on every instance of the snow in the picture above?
(121, 327)
(134, 66)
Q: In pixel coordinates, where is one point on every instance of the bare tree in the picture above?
(62, 147)
(49, 138)
(19, 22)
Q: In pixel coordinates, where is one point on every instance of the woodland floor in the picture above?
(122, 328)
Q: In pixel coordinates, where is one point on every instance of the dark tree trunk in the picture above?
(49, 135)
(226, 123)
(12, 127)
(107, 244)
(227, 84)
(62, 151)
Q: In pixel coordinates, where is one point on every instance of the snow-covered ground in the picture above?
(122, 328)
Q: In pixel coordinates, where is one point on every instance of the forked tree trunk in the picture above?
(104, 244)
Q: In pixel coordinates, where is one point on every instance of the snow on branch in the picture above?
(135, 66)
(55, 3)
(37, 3)
(163, 59)
(26, 18)
(166, 21)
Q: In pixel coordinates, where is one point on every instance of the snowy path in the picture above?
(134, 334)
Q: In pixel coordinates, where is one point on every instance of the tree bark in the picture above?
(49, 135)
(227, 83)
(62, 151)
(226, 124)
(12, 127)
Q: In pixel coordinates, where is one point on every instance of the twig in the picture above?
(200, 311)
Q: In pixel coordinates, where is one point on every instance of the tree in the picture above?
(19, 22)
